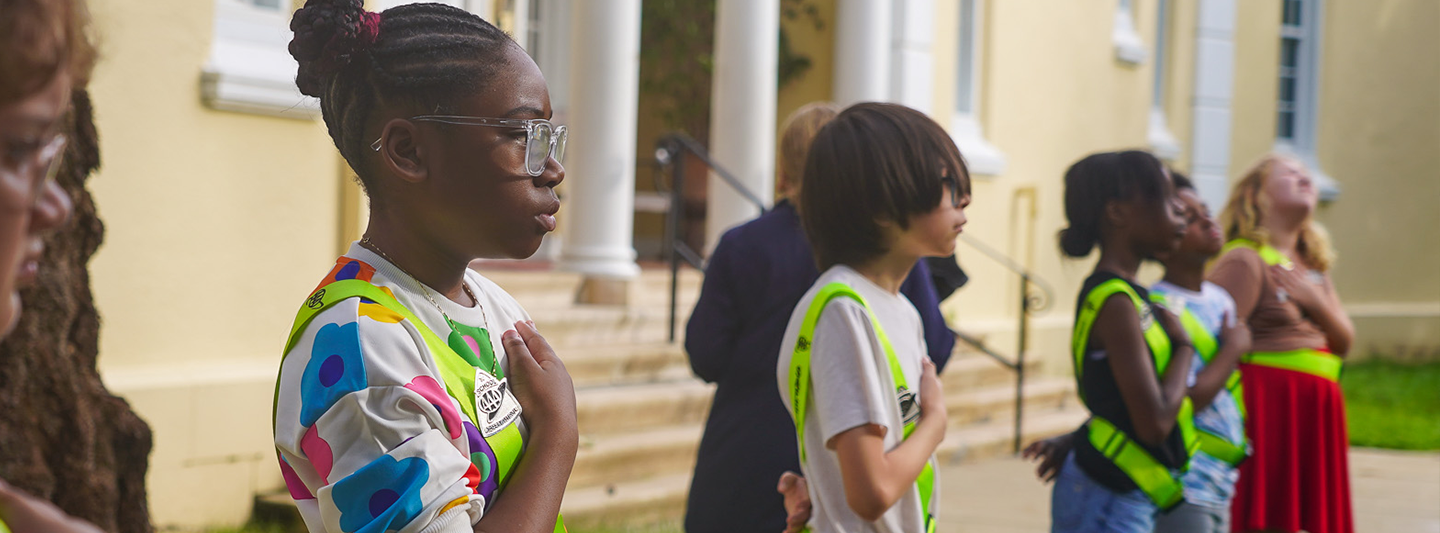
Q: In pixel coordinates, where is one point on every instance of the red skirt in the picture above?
(1299, 476)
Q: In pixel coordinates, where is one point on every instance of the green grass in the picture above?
(1393, 405)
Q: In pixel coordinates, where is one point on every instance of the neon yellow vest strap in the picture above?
(1314, 362)
(457, 373)
(800, 381)
(1159, 483)
(1268, 254)
(1207, 346)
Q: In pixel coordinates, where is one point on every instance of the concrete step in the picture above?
(970, 370)
(590, 325)
(549, 287)
(661, 498)
(608, 459)
(647, 501)
(974, 442)
(618, 364)
(998, 403)
(619, 409)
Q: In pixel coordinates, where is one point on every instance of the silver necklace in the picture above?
(366, 242)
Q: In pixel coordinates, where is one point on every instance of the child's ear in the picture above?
(1117, 213)
(400, 150)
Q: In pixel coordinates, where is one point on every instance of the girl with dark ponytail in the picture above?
(399, 404)
(1131, 358)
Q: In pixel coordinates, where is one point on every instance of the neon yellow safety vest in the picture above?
(456, 371)
(1306, 360)
(4, 528)
(800, 382)
(1158, 482)
(1207, 346)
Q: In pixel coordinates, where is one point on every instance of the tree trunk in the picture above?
(63, 437)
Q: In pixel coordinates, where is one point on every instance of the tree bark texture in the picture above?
(63, 436)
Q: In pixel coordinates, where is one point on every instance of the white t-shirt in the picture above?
(851, 386)
(367, 435)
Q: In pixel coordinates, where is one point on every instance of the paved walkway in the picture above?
(1393, 492)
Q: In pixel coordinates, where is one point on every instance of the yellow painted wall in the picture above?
(1379, 136)
(1052, 91)
(217, 223)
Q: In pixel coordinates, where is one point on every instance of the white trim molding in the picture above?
(1162, 142)
(1301, 24)
(981, 156)
(249, 69)
(1129, 47)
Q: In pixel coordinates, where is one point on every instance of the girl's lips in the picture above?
(546, 221)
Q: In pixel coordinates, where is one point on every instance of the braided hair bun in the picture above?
(329, 35)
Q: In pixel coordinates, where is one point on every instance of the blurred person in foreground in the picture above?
(44, 54)
(754, 279)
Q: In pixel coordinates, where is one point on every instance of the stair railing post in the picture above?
(676, 158)
(1023, 331)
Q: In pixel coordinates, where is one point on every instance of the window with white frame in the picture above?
(249, 69)
(1296, 99)
(982, 157)
(1129, 47)
(1162, 141)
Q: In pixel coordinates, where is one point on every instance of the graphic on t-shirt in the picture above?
(909, 408)
(473, 344)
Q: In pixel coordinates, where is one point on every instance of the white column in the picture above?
(598, 213)
(742, 110)
(1214, 86)
(862, 51)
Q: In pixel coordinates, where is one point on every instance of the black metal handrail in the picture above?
(669, 154)
(1030, 302)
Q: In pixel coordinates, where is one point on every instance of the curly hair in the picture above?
(1244, 216)
(39, 40)
(426, 56)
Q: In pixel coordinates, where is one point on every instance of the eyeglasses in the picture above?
(954, 189)
(42, 154)
(543, 139)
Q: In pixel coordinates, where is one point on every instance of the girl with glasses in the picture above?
(44, 54)
(415, 394)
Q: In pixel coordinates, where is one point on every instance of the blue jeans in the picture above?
(1081, 505)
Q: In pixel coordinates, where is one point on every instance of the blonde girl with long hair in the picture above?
(1277, 267)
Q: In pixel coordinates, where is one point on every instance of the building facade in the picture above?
(224, 197)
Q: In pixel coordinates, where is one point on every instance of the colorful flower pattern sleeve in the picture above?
(369, 440)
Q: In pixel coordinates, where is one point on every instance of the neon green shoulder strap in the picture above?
(1155, 336)
(456, 371)
(1159, 483)
(800, 381)
(1267, 253)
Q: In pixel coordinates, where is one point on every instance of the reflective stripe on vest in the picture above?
(1307, 360)
(800, 381)
(1207, 346)
(1310, 361)
(1161, 484)
(457, 373)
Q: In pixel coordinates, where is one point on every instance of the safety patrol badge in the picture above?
(495, 406)
(909, 404)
